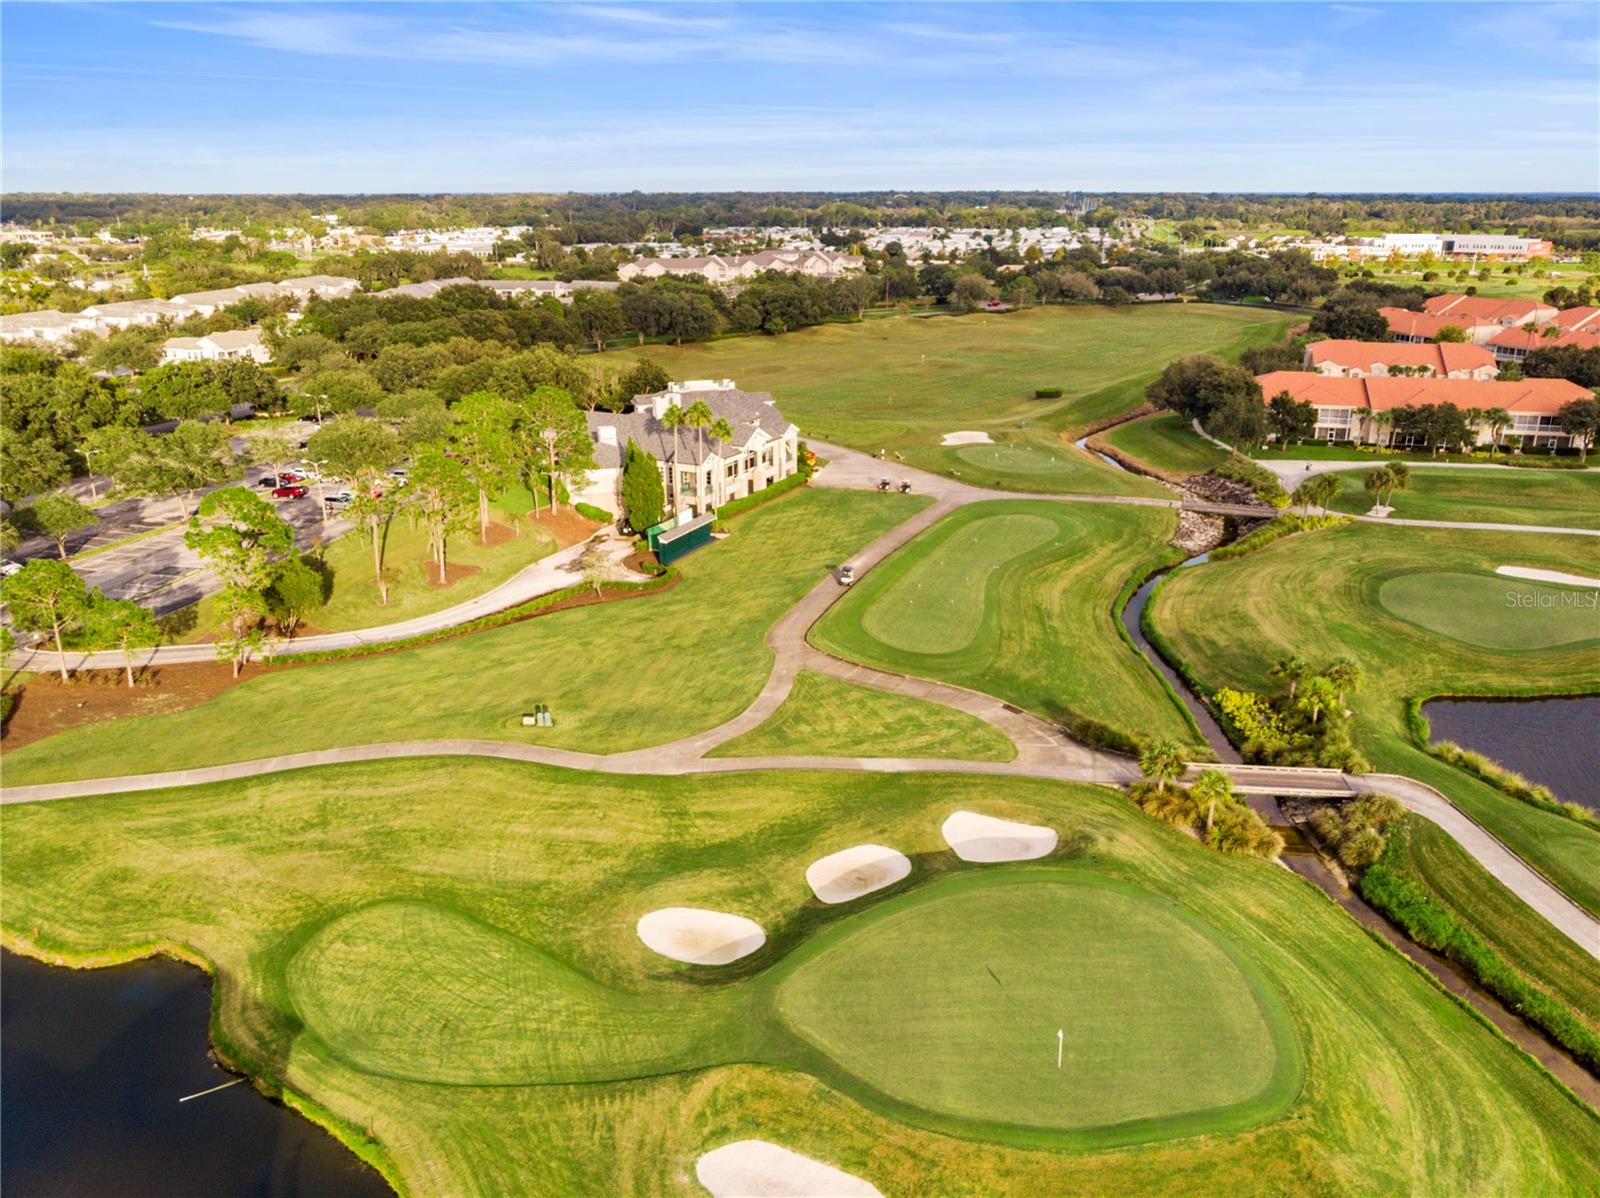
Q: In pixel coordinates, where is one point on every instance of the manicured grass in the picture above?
(616, 676)
(1566, 499)
(1531, 285)
(491, 896)
(957, 992)
(1522, 937)
(1165, 444)
(413, 578)
(1491, 611)
(1321, 596)
(901, 384)
(840, 719)
(983, 600)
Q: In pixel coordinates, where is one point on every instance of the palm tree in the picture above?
(1496, 420)
(1382, 421)
(1162, 760)
(1376, 483)
(1399, 477)
(1292, 668)
(673, 418)
(1345, 675)
(700, 417)
(1210, 788)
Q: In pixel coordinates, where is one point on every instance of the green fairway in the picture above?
(937, 604)
(616, 676)
(840, 719)
(1327, 594)
(1166, 445)
(1560, 498)
(1492, 611)
(901, 384)
(473, 920)
(955, 996)
(985, 599)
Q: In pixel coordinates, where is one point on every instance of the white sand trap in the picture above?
(1535, 575)
(967, 437)
(853, 872)
(983, 838)
(700, 937)
(757, 1169)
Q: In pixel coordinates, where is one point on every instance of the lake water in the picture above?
(92, 1064)
(1552, 741)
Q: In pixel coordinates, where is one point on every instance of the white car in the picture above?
(9, 567)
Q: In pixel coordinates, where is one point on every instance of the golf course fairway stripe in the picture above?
(757, 1169)
(983, 838)
(1492, 611)
(938, 605)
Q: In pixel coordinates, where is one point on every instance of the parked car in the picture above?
(340, 499)
(847, 575)
(267, 480)
(9, 567)
(292, 476)
(292, 491)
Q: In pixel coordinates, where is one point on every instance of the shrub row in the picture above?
(1276, 529)
(1047, 392)
(728, 510)
(1391, 889)
(589, 512)
(1257, 477)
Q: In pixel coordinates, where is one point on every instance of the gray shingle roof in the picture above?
(747, 411)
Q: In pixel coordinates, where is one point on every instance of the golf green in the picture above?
(941, 1005)
(938, 605)
(1492, 611)
(1020, 459)
(951, 999)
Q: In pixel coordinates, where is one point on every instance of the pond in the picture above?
(1546, 740)
(93, 1065)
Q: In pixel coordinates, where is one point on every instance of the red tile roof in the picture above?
(1483, 308)
(1405, 323)
(1529, 396)
(1573, 319)
(1443, 357)
(1531, 337)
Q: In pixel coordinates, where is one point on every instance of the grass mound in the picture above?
(1491, 611)
(950, 999)
(840, 719)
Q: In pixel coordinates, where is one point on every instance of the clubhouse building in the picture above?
(698, 471)
(1351, 408)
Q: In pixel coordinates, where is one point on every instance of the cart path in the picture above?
(1043, 750)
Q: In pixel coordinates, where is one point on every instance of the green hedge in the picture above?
(1275, 530)
(1406, 903)
(1047, 392)
(590, 512)
(782, 487)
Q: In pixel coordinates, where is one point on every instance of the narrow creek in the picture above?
(1302, 857)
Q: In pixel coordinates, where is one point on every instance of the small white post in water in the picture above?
(1061, 1037)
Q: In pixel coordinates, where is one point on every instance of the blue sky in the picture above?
(259, 97)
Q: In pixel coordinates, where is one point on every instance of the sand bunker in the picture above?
(853, 872)
(700, 937)
(1535, 575)
(967, 437)
(983, 838)
(757, 1169)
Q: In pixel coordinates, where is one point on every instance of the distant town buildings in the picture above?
(1459, 246)
(555, 288)
(734, 268)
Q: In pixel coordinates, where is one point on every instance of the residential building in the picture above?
(1352, 409)
(698, 471)
(1503, 312)
(217, 347)
(1571, 326)
(48, 326)
(1406, 325)
(558, 288)
(733, 268)
(1368, 359)
(126, 313)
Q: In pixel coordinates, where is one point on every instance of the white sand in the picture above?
(757, 1169)
(700, 937)
(853, 872)
(967, 437)
(983, 838)
(1535, 575)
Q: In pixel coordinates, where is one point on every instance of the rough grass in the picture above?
(615, 676)
(1405, 1092)
(1319, 597)
(1165, 444)
(840, 719)
(1559, 498)
(900, 384)
(1048, 640)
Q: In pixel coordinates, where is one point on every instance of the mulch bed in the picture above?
(454, 572)
(566, 526)
(46, 705)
